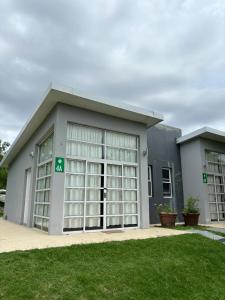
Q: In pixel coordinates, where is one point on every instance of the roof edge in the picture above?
(198, 133)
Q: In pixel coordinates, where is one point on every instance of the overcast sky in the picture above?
(166, 56)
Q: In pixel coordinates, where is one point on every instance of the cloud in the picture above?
(167, 56)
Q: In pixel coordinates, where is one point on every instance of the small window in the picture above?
(149, 181)
(167, 183)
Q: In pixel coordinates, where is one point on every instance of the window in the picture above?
(167, 183)
(43, 184)
(149, 181)
(101, 180)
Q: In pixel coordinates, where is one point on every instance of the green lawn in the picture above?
(180, 267)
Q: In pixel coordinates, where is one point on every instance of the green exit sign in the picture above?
(205, 178)
(59, 164)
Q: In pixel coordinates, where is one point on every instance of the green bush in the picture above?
(191, 205)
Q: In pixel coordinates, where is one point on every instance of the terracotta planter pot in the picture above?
(191, 219)
(168, 219)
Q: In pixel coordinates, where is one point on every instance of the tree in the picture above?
(3, 171)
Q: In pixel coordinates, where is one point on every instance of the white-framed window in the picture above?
(167, 182)
(150, 181)
(43, 184)
(101, 179)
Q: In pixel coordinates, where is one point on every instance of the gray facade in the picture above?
(163, 152)
(194, 164)
(27, 158)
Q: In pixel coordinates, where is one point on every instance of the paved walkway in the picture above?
(16, 237)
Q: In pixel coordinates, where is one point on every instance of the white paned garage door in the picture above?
(101, 185)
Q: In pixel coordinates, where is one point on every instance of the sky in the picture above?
(165, 56)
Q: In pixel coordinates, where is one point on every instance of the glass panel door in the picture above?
(114, 196)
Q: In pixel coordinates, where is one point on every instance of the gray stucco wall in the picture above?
(15, 194)
(193, 165)
(164, 152)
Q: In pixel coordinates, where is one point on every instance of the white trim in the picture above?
(204, 132)
(170, 182)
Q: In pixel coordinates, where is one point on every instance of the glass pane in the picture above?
(83, 150)
(220, 198)
(84, 133)
(121, 140)
(212, 208)
(129, 171)
(212, 198)
(40, 196)
(75, 180)
(94, 223)
(130, 183)
(94, 195)
(74, 195)
(130, 221)
(93, 181)
(114, 170)
(219, 188)
(210, 178)
(166, 189)
(211, 188)
(75, 166)
(73, 209)
(149, 188)
(39, 209)
(45, 149)
(114, 209)
(219, 179)
(42, 171)
(37, 222)
(93, 209)
(130, 195)
(130, 208)
(73, 224)
(114, 222)
(166, 174)
(94, 168)
(114, 195)
(121, 154)
(114, 182)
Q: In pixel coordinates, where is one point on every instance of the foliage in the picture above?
(160, 268)
(191, 205)
(163, 208)
(3, 171)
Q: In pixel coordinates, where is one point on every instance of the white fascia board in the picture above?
(204, 132)
(60, 94)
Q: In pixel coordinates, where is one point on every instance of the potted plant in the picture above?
(167, 214)
(191, 212)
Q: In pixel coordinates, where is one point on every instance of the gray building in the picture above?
(164, 170)
(79, 165)
(203, 171)
(84, 165)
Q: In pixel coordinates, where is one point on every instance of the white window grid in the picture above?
(86, 202)
(44, 219)
(168, 181)
(216, 190)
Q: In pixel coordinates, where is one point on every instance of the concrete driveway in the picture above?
(16, 237)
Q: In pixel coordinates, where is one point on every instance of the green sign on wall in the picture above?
(205, 178)
(59, 164)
